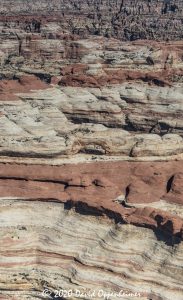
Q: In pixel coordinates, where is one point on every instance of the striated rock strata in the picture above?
(124, 19)
(91, 150)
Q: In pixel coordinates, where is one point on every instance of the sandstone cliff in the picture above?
(91, 149)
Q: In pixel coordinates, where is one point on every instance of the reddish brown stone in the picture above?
(8, 88)
(97, 185)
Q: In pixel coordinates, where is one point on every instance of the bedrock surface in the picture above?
(45, 246)
(91, 149)
(124, 120)
(122, 191)
(122, 19)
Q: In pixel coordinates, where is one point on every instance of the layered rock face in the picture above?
(124, 19)
(111, 97)
(91, 150)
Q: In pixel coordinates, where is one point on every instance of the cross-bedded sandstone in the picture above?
(91, 148)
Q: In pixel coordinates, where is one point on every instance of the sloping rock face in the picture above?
(91, 150)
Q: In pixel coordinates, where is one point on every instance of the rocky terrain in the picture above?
(91, 150)
(123, 19)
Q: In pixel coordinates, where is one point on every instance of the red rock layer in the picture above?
(75, 74)
(94, 188)
(76, 77)
(9, 88)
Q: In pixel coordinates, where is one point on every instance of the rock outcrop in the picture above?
(124, 19)
(91, 150)
(46, 247)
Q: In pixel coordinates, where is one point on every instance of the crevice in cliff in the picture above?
(34, 180)
(169, 184)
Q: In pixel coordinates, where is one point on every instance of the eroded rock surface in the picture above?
(91, 149)
(124, 19)
(88, 253)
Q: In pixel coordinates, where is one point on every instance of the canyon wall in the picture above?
(91, 150)
(123, 19)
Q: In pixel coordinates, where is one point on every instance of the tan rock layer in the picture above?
(45, 246)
